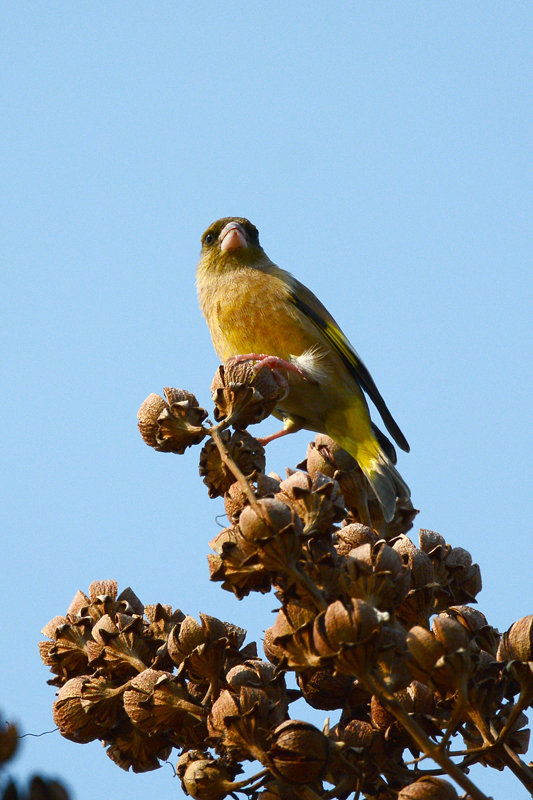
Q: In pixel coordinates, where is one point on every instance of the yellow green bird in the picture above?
(256, 310)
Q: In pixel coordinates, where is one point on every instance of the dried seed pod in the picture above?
(102, 700)
(391, 663)
(203, 778)
(172, 425)
(428, 788)
(324, 689)
(424, 651)
(270, 519)
(298, 752)
(377, 575)
(516, 646)
(243, 396)
(130, 748)
(349, 633)
(256, 674)
(156, 702)
(484, 635)
(362, 747)
(237, 564)
(352, 535)
(517, 641)
(120, 648)
(275, 530)
(204, 651)
(442, 656)
(240, 722)
(450, 633)
(274, 652)
(293, 633)
(71, 717)
(418, 605)
(242, 448)
(457, 579)
(68, 654)
(417, 698)
(317, 501)
(465, 577)
(236, 498)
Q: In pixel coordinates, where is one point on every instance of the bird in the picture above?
(257, 311)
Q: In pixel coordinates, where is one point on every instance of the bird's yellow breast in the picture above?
(248, 311)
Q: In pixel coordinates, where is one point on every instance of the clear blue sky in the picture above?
(384, 150)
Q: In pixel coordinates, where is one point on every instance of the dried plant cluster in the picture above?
(378, 632)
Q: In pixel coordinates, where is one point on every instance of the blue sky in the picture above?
(384, 151)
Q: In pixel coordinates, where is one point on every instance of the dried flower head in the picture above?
(428, 788)
(298, 752)
(172, 425)
(243, 396)
(242, 449)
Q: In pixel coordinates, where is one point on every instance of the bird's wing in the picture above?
(306, 302)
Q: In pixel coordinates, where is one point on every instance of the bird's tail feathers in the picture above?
(386, 481)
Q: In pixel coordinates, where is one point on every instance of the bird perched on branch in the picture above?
(257, 311)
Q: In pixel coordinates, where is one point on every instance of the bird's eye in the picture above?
(209, 238)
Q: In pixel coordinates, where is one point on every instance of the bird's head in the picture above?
(229, 243)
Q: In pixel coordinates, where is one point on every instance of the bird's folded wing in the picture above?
(313, 309)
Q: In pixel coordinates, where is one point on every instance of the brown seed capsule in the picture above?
(428, 788)
(130, 748)
(350, 633)
(317, 501)
(450, 633)
(353, 535)
(70, 716)
(377, 575)
(424, 651)
(203, 650)
(156, 702)
(323, 689)
(237, 564)
(244, 396)
(299, 752)
(517, 641)
(484, 635)
(241, 720)
(236, 498)
(273, 517)
(292, 632)
(172, 425)
(242, 448)
(206, 779)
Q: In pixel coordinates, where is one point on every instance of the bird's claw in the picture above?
(271, 362)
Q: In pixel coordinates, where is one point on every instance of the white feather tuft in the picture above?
(313, 362)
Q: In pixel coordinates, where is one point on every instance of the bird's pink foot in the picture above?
(264, 440)
(272, 362)
(289, 427)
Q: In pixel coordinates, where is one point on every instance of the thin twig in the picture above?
(421, 738)
(240, 476)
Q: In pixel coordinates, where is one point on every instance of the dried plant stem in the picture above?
(258, 778)
(232, 466)
(421, 738)
(305, 581)
(297, 574)
(521, 703)
(518, 767)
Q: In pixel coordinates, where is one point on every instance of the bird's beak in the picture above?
(232, 237)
